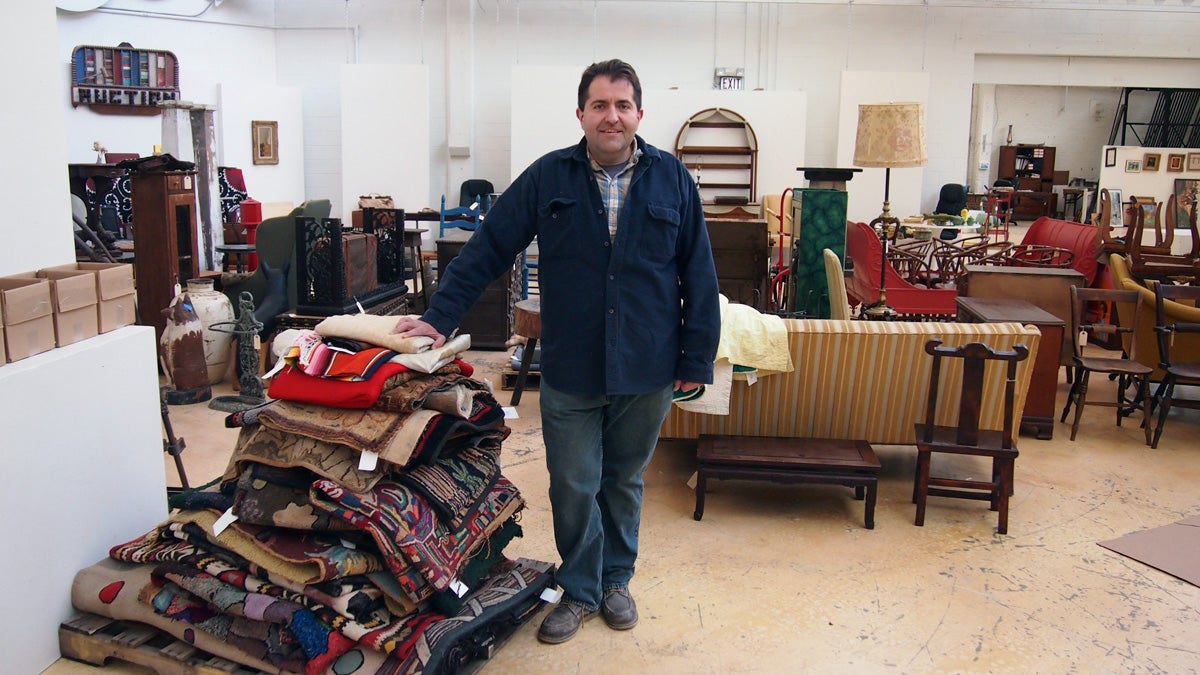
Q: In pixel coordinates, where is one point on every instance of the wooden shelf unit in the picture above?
(1027, 161)
(722, 154)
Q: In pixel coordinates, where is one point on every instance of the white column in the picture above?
(177, 130)
(211, 231)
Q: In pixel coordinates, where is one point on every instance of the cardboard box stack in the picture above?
(26, 308)
(114, 291)
(74, 295)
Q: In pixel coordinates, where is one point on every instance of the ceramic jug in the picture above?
(213, 308)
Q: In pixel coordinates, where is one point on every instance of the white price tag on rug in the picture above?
(368, 460)
(223, 522)
(349, 544)
(552, 595)
(751, 378)
(460, 589)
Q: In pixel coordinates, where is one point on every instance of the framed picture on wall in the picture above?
(1175, 162)
(1150, 161)
(1193, 161)
(1186, 190)
(264, 136)
(1133, 166)
(1110, 157)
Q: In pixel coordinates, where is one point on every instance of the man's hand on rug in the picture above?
(410, 326)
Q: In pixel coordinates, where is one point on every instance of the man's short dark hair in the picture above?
(614, 69)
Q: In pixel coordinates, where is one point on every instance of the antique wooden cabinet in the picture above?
(740, 249)
(490, 319)
(164, 224)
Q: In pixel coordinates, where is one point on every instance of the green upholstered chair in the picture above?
(276, 247)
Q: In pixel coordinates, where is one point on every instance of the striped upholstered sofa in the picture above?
(860, 380)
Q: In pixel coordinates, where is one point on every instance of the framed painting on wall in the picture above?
(1149, 209)
(1175, 162)
(264, 136)
(1110, 157)
(1150, 161)
(1193, 161)
(1133, 166)
(1186, 190)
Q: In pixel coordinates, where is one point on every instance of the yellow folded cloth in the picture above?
(376, 330)
(751, 338)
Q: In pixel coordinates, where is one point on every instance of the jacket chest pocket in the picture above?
(660, 232)
(559, 229)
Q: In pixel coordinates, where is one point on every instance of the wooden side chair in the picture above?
(1110, 241)
(1126, 368)
(835, 277)
(999, 207)
(1175, 371)
(965, 437)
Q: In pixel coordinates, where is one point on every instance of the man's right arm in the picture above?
(507, 230)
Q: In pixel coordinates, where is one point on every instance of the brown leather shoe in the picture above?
(620, 612)
(562, 623)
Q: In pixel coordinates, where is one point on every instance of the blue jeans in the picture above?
(597, 448)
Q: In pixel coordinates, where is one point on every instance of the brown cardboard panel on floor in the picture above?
(1172, 548)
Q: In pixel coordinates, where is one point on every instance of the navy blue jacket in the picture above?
(625, 317)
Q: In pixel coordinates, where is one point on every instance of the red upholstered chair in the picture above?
(866, 252)
(1078, 238)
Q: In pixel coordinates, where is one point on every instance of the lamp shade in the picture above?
(890, 135)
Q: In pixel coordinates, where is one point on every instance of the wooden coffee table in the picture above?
(789, 460)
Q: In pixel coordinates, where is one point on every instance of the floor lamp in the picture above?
(890, 136)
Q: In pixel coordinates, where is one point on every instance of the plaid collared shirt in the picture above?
(614, 188)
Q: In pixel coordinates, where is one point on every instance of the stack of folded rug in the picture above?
(359, 526)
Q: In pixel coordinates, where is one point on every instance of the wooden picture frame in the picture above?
(1133, 166)
(1193, 161)
(264, 142)
(1175, 162)
(1110, 157)
(1150, 161)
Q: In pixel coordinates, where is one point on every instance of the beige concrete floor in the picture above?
(781, 578)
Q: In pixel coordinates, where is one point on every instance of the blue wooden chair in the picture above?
(462, 217)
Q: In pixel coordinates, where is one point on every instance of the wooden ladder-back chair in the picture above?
(1175, 371)
(1125, 367)
(965, 437)
(1149, 217)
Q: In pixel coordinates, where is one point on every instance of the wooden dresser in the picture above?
(490, 320)
(1040, 409)
(740, 253)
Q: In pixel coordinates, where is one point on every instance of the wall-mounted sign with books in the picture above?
(123, 80)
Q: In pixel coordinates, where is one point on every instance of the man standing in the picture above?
(629, 314)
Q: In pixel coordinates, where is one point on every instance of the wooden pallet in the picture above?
(96, 639)
(508, 379)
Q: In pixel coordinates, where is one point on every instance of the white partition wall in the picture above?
(385, 135)
(239, 105)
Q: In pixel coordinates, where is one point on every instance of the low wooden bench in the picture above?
(789, 460)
